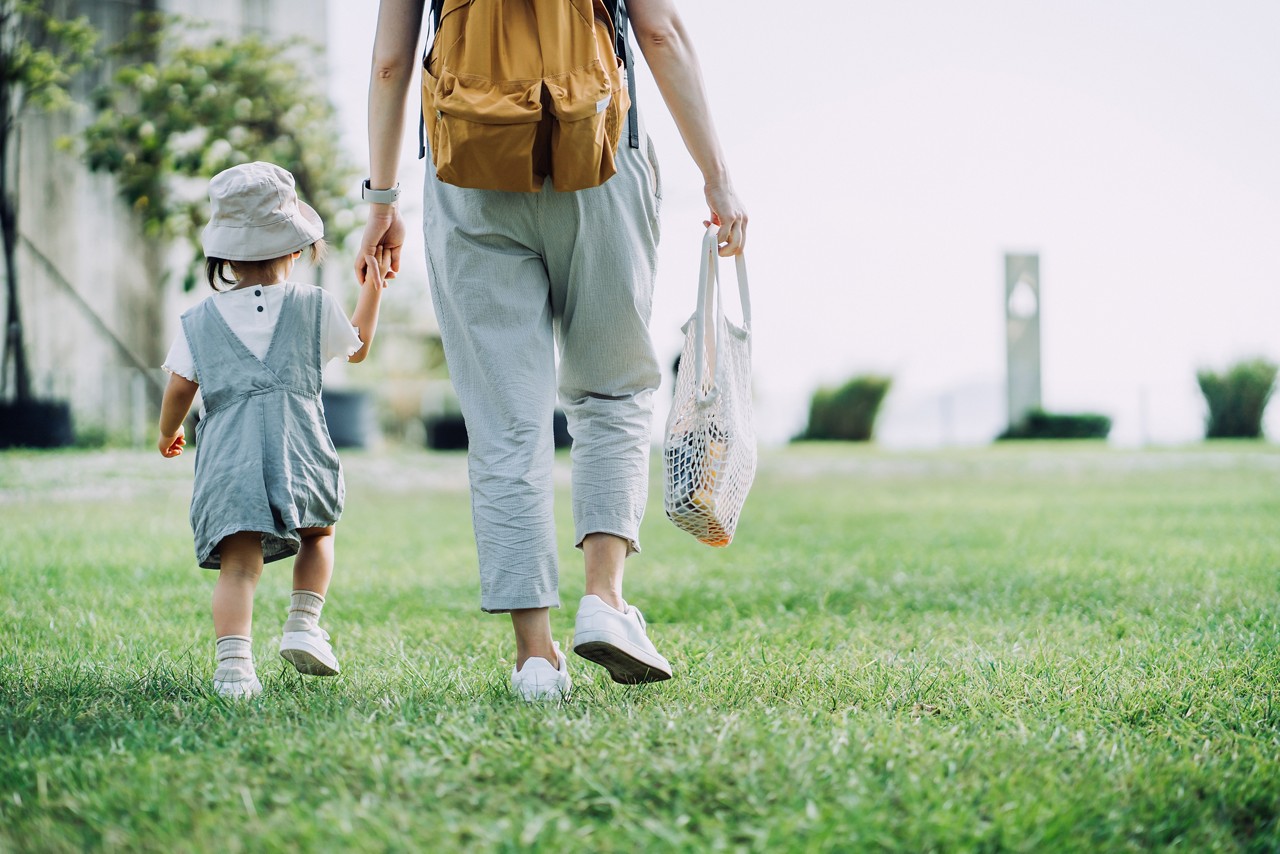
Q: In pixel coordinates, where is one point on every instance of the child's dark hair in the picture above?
(216, 269)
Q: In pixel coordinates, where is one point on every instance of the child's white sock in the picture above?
(304, 611)
(235, 659)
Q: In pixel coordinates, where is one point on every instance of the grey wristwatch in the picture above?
(382, 197)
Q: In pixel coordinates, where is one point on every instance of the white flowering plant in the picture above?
(176, 113)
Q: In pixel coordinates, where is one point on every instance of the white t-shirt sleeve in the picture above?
(339, 337)
(180, 361)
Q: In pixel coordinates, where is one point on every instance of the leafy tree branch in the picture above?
(177, 113)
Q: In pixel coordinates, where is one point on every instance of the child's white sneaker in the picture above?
(235, 676)
(539, 680)
(617, 641)
(236, 683)
(309, 652)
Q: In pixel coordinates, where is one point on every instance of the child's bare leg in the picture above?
(233, 614)
(313, 566)
(305, 645)
(238, 578)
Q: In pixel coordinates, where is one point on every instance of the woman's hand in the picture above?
(171, 446)
(728, 213)
(383, 237)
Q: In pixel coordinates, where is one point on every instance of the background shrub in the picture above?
(1237, 398)
(848, 412)
(1038, 424)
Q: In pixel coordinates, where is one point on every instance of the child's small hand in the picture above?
(378, 265)
(171, 446)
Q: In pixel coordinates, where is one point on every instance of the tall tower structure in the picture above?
(1022, 333)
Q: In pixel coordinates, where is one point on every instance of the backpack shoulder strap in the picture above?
(437, 7)
(622, 47)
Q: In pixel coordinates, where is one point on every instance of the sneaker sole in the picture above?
(551, 695)
(237, 690)
(623, 667)
(308, 662)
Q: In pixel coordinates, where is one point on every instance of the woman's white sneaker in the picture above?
(617, 641)
(539, 680)
(309, 652)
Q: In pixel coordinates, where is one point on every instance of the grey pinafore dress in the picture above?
(264, 459)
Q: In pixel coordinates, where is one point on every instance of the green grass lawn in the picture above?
(1024, 648)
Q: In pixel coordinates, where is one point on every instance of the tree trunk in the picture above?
(10, 98)
(15, 346)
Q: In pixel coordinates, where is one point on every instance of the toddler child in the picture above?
(268, 483)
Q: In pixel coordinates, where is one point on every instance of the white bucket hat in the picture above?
(255, 215)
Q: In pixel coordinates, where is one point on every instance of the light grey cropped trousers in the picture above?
(518, 281)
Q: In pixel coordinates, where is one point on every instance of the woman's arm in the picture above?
(173, 411)
(670, 55)
(395, 48)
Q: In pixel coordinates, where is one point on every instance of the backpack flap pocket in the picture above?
(588, 104)
(482, 133)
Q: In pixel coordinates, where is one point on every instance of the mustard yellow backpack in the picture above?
(517, 91)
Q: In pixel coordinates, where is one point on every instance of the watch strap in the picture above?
(382, 197)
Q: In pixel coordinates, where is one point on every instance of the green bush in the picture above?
(1038, 424)
(1237, 398)
(848, 412)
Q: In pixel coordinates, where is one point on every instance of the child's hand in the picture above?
(171, 446)
(378, 266)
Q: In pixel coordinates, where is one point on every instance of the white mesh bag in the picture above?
(709, 450)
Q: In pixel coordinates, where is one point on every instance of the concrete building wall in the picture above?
(100, 301)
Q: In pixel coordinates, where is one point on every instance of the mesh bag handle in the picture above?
(709, 289)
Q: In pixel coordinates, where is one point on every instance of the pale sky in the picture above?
(890, 153)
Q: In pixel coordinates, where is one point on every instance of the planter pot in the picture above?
(448, 431)
(35, 424)
(349, 415)
(560, 430)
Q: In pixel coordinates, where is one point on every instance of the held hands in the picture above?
(171, 446)
(379, 266)
(383, 231)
